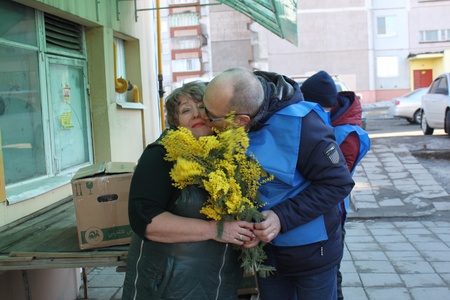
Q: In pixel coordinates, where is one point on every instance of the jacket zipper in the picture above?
(220, 271)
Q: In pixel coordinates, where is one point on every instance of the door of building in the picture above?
(69, 111)
(422, 78)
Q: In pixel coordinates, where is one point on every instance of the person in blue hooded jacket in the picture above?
(294, 141)
(345, 116)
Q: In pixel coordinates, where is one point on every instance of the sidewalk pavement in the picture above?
(397, 244)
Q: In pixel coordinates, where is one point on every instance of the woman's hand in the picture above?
(236, 232)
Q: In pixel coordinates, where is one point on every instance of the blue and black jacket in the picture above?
(294, 141)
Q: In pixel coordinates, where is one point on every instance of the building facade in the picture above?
(381, 49)
(78, 85)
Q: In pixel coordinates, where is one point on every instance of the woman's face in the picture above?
(190, 116)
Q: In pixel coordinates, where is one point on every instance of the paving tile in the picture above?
(431, 255)
(404, 255)
(436, 246)
(109, 280)
(354, 293)
(391, 238)
(374, 266)
(422, 280)
(408, 224)
(364, 246)
(347, 266)
(422, 238)
(441, 267)
(368, 255)
(381, 280)
(378, 293)
(441, 205)
(351, 279)
(398, 246)
(101, 293)
(384, 231)
(359, 238)
(407, 231)
(441, 293)
(446, 278)
(412, 267)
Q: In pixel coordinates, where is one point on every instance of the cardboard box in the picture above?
(100, 194)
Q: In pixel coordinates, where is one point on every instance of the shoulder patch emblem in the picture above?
(332, 153)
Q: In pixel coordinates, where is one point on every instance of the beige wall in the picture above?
(40, 284)
(230, 39)
(322, 47)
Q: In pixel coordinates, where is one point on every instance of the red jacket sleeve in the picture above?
(350, 149)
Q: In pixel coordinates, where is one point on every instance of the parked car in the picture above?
(408, 106)
(435, 113)
(340, 86)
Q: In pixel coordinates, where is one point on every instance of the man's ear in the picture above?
(242, 120)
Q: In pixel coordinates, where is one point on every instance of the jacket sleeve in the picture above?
(350, 150)
(151, 189)
(321, 162)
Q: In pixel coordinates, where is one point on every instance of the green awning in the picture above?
(278, 16)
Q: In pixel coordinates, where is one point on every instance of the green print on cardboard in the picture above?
(95, 235)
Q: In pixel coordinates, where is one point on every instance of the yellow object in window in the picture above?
(66, 120)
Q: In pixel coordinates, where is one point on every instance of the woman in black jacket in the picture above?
(175, 253)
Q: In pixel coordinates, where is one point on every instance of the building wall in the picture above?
(112, 126)
(40, 284)
(327, 41)
(230, 39)
(118, 133)
(341, 38)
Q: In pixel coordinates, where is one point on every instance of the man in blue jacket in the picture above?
(345, 116)
(293, 140)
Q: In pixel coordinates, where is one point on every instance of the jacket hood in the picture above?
(348, 109)
(279, 92)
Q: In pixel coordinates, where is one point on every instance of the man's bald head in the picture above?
(244, 90)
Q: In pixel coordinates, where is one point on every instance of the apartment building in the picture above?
(381, 49)
(375, 46)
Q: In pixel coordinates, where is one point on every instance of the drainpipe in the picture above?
(160, 75)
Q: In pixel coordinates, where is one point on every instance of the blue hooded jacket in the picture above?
(294, 141)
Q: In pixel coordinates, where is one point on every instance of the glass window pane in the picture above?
(68, 113)
(431, 35)
(387, 66)
(21, 115)
(17, 23)
(391, 25)
(381, 25)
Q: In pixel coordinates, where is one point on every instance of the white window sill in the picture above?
(29, 190)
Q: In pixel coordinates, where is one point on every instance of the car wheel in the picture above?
(416, 116)
(427, 130)
(447, 122)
